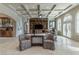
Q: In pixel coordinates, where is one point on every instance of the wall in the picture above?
(18, 18)
(25, 22)
(72, 12)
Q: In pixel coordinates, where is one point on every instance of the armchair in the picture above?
(49, 42)
(24, 42)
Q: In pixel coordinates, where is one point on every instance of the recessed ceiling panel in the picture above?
(34, 16)
(31, 5)
(61, 6)
(33, 12)
(46, 6)
(44, 12)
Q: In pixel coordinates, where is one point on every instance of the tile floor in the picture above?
(63, 46)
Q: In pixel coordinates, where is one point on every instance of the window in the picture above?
(51, 24)
(64, 29)
(59, 25)
(77, 23)
(67, 25)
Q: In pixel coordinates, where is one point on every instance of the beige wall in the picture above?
(73, 13)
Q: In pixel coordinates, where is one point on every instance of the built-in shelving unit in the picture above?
(7, 27)
(38, 25)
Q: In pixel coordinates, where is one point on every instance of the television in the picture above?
(38, 26)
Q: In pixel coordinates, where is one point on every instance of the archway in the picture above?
(7, 26)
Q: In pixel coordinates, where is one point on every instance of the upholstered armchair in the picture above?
(49, 42)
(24, 42)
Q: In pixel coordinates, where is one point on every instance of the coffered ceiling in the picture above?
(36, 10)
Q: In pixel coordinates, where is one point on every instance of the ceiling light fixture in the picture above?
(40, 16)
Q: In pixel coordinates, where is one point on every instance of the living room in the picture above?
(30, 28)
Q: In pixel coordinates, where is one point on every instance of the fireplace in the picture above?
(38, 28)
(38, 25)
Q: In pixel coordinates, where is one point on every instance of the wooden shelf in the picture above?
(6, 31)
(43, 21)
(7, 27)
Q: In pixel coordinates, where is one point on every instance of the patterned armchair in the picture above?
(24, 42)
(49, 42)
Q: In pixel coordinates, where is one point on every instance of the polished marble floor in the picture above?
(63, 46)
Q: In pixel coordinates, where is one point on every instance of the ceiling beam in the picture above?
(51, 10)
(19, 9)
(43, 10)
(25, 9)
(58, 9)
(64, 10)
(38, 8)
(68, 7)
(33, 9)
